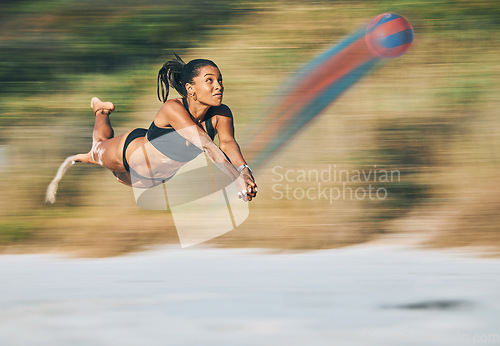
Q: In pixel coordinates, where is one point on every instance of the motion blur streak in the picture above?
(310, 91)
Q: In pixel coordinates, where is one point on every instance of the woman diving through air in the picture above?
(182, 129)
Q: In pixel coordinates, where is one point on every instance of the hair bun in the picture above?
(170, 75)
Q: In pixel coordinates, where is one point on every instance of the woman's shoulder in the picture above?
(173, 104)
(172, 107)
(222, 110)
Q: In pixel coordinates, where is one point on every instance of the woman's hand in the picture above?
(250, 186)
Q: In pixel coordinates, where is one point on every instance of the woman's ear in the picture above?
(189, 88)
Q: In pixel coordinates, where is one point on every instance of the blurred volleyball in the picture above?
(389, 35)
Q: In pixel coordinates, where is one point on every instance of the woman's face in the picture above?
(207, 86)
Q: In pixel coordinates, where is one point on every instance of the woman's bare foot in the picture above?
(103, 107)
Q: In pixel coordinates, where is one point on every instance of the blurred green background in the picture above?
(430, 114)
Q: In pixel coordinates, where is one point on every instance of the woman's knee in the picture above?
(85, 158)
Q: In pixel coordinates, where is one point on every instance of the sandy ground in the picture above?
(361, 295)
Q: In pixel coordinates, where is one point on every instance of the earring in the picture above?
(193, 95)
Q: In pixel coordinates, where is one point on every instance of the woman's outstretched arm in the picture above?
(176, 115)
(228, 144)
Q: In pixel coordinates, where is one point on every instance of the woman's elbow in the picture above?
(223, 146)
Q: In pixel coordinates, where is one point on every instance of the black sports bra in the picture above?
(172, 144)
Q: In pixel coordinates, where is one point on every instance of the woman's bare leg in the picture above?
(102, 126)
(50, 196)
(104, 150)
(102, 132)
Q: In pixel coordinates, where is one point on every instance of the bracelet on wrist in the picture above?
(242, 167)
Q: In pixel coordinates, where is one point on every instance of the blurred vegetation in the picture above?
(62, 39)
(429, 114)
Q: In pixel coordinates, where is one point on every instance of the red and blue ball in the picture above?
(389, 35)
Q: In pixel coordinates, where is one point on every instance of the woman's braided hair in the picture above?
(176, 73)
